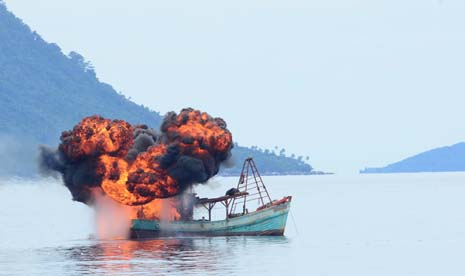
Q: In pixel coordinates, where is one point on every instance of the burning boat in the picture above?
(149, 173)
(268, 219)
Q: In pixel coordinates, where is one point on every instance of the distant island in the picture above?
(444, 159)
(43, 92)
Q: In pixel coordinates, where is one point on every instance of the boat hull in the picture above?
(267, 222)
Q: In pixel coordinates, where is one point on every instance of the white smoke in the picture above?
(18, 156)
(112, 220)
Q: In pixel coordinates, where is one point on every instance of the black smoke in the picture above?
(188, 159)
(144, 137)
(78, 177)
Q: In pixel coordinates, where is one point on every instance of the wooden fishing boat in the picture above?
(268, 219)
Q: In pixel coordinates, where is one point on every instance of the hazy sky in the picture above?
(350, 83)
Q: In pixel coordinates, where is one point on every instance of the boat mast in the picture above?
(249, 180)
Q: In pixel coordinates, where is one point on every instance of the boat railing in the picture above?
(209, 203)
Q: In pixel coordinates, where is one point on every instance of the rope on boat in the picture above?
(295, 224)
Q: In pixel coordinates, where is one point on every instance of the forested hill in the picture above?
(43, 92)
(444, 159)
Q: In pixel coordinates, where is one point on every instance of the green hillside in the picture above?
(443, 159)
(43, 92)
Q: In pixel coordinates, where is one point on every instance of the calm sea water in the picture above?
(405, 224)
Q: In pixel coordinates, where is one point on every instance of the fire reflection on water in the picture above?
(123, 257)
(165, 256)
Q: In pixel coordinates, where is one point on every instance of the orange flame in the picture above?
(196, 134)
(192, 135)
(95, 135)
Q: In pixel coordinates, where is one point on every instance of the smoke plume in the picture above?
(135, 164)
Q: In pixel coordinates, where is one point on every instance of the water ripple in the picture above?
(193, 256)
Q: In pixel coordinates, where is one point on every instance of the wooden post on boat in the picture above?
(210, 207)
